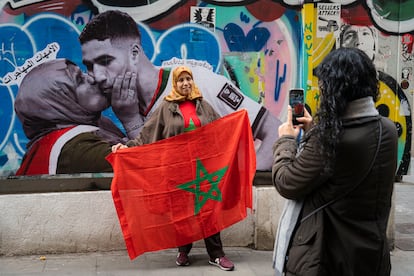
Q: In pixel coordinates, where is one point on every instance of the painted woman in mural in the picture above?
(61, 116)
(111, 45)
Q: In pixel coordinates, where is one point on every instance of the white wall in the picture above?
(86, 221)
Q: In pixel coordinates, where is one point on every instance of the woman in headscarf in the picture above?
(61, 116)
(182, 110)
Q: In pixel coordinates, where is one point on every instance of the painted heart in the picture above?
(237, 41)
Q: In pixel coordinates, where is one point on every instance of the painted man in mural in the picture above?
(111, 47)
(361, 37)
(366, 38)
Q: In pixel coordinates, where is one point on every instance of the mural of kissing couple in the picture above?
(62, 114)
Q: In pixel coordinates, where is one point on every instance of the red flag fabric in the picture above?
(184, 188)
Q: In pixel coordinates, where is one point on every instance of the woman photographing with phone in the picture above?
(339, 184)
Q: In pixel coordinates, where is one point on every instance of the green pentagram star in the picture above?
(194, 186)
(191, 126)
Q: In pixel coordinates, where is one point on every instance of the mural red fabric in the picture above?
(184, 188)
(37, 159)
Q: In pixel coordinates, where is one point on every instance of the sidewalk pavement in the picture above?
(248, 262)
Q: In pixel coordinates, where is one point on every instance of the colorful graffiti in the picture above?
(357, 30)
(265, 47)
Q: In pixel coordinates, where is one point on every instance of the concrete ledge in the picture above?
(72, 222)
(86, 221)
(58, 223)
(55, 183)
(79, 182)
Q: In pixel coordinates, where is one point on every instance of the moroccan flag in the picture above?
(184, 188)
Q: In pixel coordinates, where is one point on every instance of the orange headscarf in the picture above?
(174, 94)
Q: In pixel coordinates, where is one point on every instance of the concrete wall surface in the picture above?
(86, 221)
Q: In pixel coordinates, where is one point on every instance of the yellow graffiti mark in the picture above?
(324, 46)
(396, 114)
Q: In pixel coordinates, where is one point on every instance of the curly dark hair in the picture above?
(112, 24)
(345, 75)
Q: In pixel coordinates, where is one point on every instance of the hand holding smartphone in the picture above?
(296, 101)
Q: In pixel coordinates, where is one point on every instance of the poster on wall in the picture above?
(328, 20)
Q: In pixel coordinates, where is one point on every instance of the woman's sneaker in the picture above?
(223, 263)
(182, 259)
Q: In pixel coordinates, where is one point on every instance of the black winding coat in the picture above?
(349, 236)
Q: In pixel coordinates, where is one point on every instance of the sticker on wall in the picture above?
(406, 74)
(204, 16)
(407, 52)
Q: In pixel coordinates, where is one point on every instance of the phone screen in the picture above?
(296, 101)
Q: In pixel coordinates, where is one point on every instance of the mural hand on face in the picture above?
(124, 102)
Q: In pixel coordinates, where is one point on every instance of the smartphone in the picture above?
(296, 101)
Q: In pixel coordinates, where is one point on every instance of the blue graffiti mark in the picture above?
(55, 28)
(80, 16)
(257, 24)
(6, 114)
(15, 48)
(147, 41)
(279, 80)
(3, 159)
(244, 18)
(188, 41)
(255, 40)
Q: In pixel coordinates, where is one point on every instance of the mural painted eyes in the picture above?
(103, 61)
